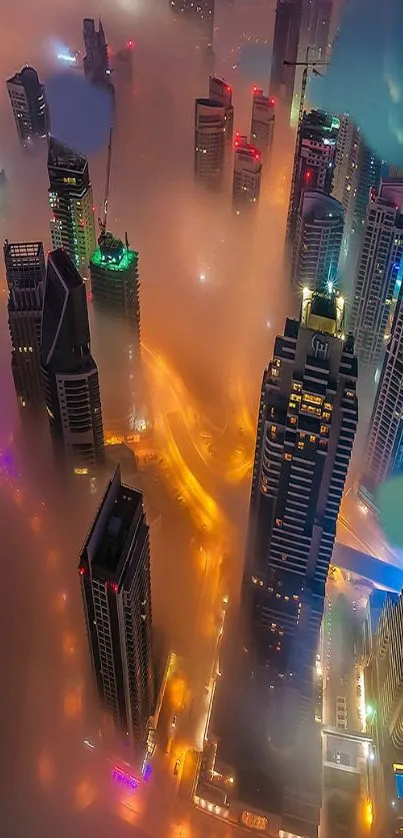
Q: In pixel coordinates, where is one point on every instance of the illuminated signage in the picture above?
(253, 821)
(125, 779)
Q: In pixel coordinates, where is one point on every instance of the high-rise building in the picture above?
(315, 29)
(307, 422)
(262, 124)
(25, 271)
(378, 270)
(285, 48)
(220, 91)
(247, 174)
(30, 109)
(115, 289)
(96, 62)
(210, 124)
(69, 371)
(201, 13)
(369, 178)
(313, 162)
(70, 196)
(116, 589)
(384, 449)
(318, 241)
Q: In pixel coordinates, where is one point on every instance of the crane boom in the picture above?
(102, 221)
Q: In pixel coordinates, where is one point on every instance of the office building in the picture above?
(346, 171)
(384, 448)
(306, 427)
(369, 179)
(210, 136)
(115, 289)
(315, 29)
(115, 581)
(262, 124)
(318, 241)
(96, 61)
(220, 91)
(200, 14)
(378, 270)
(69, 371)
(70, 196)
(283, 80)
(247, 174)
(313, 162)
(25, 272)
(30, 109)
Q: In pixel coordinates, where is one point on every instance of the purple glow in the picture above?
(122, 777)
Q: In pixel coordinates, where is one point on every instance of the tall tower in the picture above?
(307, 422)
(221, 92)
(30, 109)
(116, 589)
(378, 270)
(315, 28)
(69, 371)
(318, 242)
(285, 47)
(262, 124)
(115, 289)
(315, 156)
(384, 448)
(247, 174)
(70, 196)
(96, 62)
(25, 271)
(210, 124)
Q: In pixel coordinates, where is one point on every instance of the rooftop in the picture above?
(63, 157)
(116, 529)
(113, 255)
(62, 263)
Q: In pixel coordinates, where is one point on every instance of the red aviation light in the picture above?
(254, 88)
(81, 571)
(272, 100)
(130, 44)
(229, 89)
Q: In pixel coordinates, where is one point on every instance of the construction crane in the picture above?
(102, 221)
(307, 64)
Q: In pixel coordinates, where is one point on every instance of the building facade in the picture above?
(247, 174)
(318, 242)
(201, 14)
(30, 109)
(72, 223)
(220, 91)
(69, 371)
(96, 61)
(210, 138)
(378, 270)
(115, 581)
(115, 289)
(262, 124)
(25, 273)
(384, 448)
(306, 427)
(287, 29)
(314, 161)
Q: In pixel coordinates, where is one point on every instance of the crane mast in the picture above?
(103, 220)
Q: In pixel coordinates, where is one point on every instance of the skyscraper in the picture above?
(307, 422)
(285, 48)
(69, 371)
(96, 62)
(247, 174)
(210, 124)
(315, 28)
(378, 270)
(262, 124)
(369, 177)
(221, 92)
(384, 448)
(314, 161)
(28, 101)
(318, 241)
(115, 289)
(200, 13)
(116, 589)
(70, 196)
(25, 271)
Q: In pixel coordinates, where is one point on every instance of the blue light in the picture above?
(125, 779)
(147, 772)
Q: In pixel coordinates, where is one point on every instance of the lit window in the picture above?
(327, 406)
(323, 429)
(273, 429)
(312, 399)
(293, 420)
(287, 457)
(301, 445)
(312, 438)
(326, 415)
(279, 522)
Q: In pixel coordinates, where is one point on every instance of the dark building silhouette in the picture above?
(116, 589)
(69, 371)
(96, 61)
(285, 47)
(30, 109)
(210, 142)
(201, 14)
(262, 124)
(25, 272)
(72, 223)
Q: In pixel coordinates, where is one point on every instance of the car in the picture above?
(173, 722)
(176, 766)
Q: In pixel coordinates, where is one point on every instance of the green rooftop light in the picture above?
(113, 262)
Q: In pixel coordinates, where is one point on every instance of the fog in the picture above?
(215, 336)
